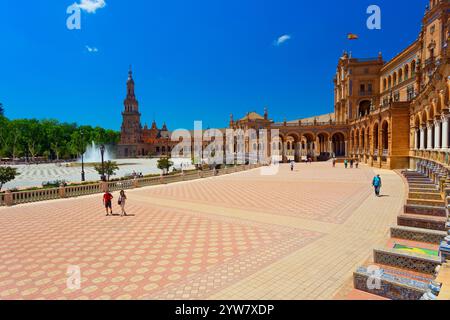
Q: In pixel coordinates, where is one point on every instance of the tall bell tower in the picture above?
(131, 131)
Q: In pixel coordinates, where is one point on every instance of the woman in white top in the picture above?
(122, 202)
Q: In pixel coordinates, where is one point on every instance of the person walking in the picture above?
(122, 202)
(357, 164)
(334, 162)
(377, 184)
(346, 163)
(351, 163)
(107, 202)
(292, 165)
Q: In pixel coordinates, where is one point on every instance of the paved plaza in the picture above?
(295, 235)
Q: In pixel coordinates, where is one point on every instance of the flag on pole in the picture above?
(352, 36)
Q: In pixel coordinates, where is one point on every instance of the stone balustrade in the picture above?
(20, 197)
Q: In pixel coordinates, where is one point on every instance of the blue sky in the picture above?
(192, 60)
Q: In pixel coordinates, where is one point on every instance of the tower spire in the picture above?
(131, 104)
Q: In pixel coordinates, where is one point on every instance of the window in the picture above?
(369, 88)
(362, 89)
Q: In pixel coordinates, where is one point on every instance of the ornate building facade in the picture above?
(386, 114)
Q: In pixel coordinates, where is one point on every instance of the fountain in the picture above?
(92, 154)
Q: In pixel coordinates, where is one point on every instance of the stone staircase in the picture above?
(406, 268)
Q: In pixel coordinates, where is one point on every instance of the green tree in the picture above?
(7, 174)
(164, 164)
(109, 169)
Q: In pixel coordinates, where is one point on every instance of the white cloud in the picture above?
(281, 40)
(91, 49)
(90, 6)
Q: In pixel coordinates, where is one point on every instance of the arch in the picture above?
(364, 108)
(385, 135)
(308, 144)
(430, 114)
(384, 84)
(389, 82)
(357, 139)
(394, 79)
(338, 142)
(406, 72)
(323, 147)
(363, 139)
(413, 68)
(417, 121)
(400, 75)
(437, 107)
(293, 135)
(375, 132)
(293, 153)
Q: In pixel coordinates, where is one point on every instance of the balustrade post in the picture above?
(62, 191)
(9, 198)
(104, 186)
(135, 183)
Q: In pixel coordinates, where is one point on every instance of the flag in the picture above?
(352, 36)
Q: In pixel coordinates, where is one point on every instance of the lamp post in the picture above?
(83, 178)
(102, 151)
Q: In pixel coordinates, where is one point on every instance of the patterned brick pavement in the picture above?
(243, 236)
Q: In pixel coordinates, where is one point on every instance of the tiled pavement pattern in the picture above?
(244, 236)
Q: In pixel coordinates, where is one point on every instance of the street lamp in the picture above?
(102, 152)
(83, 178)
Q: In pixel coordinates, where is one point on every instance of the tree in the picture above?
(7, 174)
(109, 169)
(164, 164)
(2, 110)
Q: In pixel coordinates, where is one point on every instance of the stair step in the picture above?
(407, 260)
(426, 202)
(419, 180)
(418, 234)
(431, 186)
(394, 283)
(425, 195)
(421, 221)
(421, 190)
(425, 210)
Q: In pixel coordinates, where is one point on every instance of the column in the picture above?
(445, 132)
(437, 134)
(330, 148)
(429, 137)
(422, 138)
(346, 148)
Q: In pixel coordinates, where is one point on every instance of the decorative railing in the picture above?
(76, 191)
(35, 195)
(14, 198)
